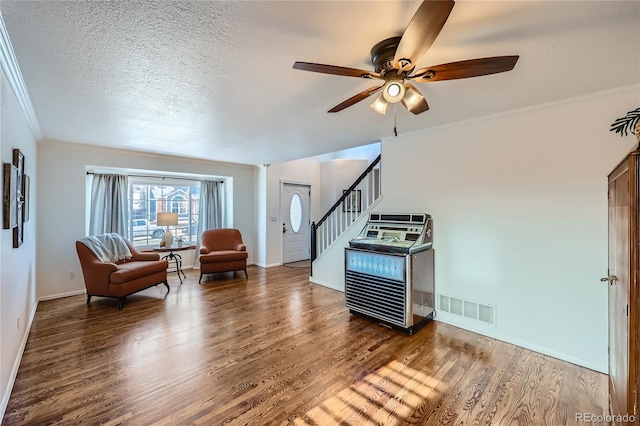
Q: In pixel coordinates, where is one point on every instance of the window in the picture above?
(148, 197)
(179, 204)
(145, 196)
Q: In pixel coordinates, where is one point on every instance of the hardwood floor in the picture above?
(275, 349)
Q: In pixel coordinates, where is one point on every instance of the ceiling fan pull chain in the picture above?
(395, 119)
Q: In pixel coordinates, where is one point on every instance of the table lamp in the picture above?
(167, 219)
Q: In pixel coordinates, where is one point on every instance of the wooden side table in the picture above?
(176, 258)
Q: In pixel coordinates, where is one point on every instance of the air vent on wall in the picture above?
(468, 309)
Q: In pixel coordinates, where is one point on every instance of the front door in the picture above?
(619, 290)
(294, 210)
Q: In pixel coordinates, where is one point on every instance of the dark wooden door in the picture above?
(622, 282)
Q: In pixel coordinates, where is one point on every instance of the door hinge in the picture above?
(627, 310)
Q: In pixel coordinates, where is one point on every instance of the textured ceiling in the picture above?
(213, 80)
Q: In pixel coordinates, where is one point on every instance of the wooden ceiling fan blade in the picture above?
(355, 99)
(335, 70)
(466, 69)
(422, 30)
(413, 100)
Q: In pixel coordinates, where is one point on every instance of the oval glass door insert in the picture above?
(295, 213)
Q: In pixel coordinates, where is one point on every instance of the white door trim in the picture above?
(284, 214)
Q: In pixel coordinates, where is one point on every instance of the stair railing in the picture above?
(355, 200)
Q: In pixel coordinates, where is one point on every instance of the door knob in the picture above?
(610, 279)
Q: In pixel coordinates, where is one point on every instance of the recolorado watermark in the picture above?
(604, 418)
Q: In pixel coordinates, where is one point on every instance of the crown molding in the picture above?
(632, 88)
(14, 77)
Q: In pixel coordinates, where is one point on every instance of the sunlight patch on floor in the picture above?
(388, 395)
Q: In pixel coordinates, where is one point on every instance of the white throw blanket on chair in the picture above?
(107, 247)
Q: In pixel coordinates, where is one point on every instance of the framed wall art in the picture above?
(9, 196)
(18, 230)
(352, 203)
(18, 161)
(27, 190)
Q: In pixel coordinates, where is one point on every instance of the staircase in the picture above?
(364, 192)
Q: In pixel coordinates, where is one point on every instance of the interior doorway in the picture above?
(295, 213)
(622, 280)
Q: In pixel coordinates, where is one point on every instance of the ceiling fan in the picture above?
(394, 62)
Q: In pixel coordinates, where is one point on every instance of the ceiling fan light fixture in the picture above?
(393, 91)
(394, 60)
(412, 98)
(380, 104)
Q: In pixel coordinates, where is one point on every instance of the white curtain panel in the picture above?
(108, 204)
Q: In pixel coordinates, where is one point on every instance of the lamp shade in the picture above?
(380, 104)
(412, 98)
(167, 219)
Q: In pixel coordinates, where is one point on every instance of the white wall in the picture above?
(519, 204)
(336, 176)
(17, 265)
(62, 203)
(305, 171)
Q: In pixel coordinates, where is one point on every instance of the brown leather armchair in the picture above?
(123, 278)
(222, 250)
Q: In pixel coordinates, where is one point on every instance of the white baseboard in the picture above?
(16, 363)
(489, 331)
(324, 284)
(61, 295)
(271, 265)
